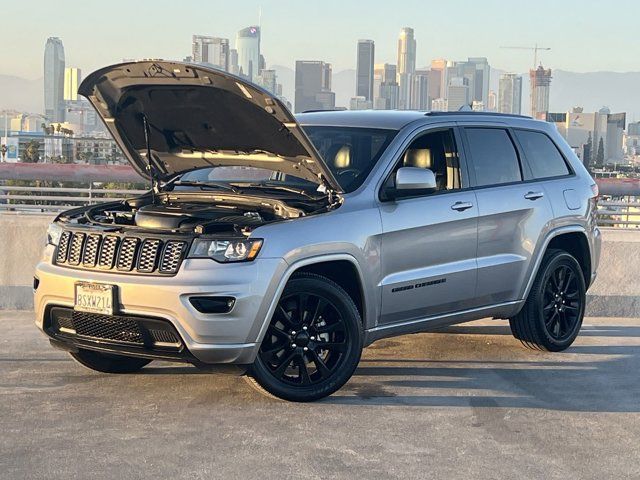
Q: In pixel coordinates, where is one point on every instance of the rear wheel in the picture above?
(108, 363)
(313, 343)
(552, 315)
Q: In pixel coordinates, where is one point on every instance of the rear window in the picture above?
(494, 157)
(542, 154)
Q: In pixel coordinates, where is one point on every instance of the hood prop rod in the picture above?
(150, 167)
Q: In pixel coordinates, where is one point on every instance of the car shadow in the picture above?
(584, 378)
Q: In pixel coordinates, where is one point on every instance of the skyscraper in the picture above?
(458, 94)
(54, 80)
(268, 80)
(406, 65)
(476, 71)
(386, 87)
(212, 50)
(234, 68)
(72, 78)
(313, 86)
(419, 91)
(364, 73)
(510, 93)
(481, 79)
(248, 47)
(540, 84)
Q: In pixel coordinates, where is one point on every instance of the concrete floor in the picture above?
(471, 403)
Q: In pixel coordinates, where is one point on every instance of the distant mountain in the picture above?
(618, 91)
(21, 94)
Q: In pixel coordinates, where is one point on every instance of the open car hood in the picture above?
(199, 117)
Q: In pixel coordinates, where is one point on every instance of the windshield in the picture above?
(350, 154)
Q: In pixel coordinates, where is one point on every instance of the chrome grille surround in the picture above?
(108, 252)
(63, 246)
(91, 247)
(127, 254)
(75, 248)
(172, 256)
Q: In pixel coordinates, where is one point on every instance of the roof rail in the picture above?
(473, 112)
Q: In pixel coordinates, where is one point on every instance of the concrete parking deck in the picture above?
(471, 403)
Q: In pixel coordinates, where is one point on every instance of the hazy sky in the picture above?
(585, 35)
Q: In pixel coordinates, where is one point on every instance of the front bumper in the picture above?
(229, 338)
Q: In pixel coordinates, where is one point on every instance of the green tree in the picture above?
(31, 152)
(588, 152)
(600, 154)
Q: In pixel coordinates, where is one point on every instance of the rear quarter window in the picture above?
(542, 154)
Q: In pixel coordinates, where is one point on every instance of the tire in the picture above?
(308, 356)
(108, 363)
(552, 315)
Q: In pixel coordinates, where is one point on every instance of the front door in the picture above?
(429, 242)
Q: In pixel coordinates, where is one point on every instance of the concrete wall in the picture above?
(616, 292)
(22, 238)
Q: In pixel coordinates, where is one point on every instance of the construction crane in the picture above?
(535, 49)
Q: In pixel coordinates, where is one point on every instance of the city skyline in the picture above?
(479, 32)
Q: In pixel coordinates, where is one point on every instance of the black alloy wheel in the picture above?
(561, 302)
(313, 342)
(552, 314)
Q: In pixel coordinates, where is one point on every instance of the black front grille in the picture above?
(172, 256)
(127, 254)
(148, 259)
(108, 252)
(75, 250)
(124, 254)
(63, 247)
(121, 329)
(107, 327)
(91, 247)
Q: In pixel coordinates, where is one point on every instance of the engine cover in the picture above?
(171, 217)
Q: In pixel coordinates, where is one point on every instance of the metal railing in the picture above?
(618, 213)
(54, 199)
(615, 213)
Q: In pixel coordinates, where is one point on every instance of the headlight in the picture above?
(226, 251)
(53, 234)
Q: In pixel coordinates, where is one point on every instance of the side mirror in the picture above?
(411, 181)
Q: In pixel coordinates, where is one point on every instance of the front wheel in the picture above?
(552, 315)
(108, 363)
(313, 343)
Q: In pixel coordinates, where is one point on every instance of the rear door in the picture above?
(513, 211)
(429, 242)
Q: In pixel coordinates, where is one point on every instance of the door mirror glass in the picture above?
(412, 181)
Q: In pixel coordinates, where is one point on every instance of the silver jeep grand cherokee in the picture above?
(281, 246)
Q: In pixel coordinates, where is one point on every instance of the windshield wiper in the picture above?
(214, 185)
(276, 187)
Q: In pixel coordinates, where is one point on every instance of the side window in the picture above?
(436, 151)
(494, 157)
(542, 154)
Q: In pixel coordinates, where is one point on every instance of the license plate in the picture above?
(94, 298)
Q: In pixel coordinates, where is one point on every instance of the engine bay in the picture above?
(191, 213)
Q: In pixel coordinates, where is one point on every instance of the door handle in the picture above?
(533, 195)
(461, 206)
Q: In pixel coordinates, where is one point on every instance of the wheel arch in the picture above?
(329, 266)
(572, 239)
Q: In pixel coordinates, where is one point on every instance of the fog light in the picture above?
(213, 304)
(36, 283)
